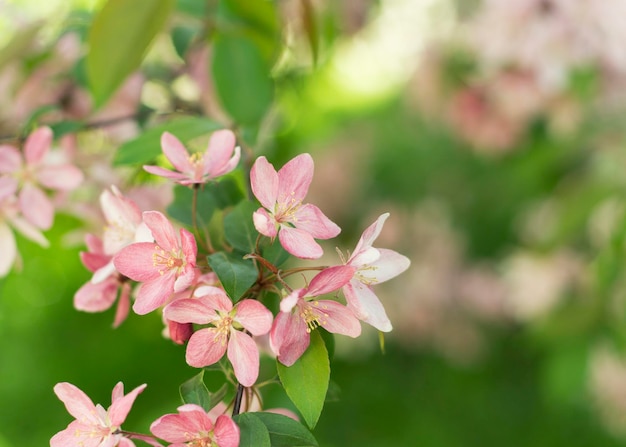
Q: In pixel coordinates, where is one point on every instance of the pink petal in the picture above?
(96, 297)
(189, 311)
(10, 159)
(76, 435)
(123, 305)
(264, 223)
(175, 152)
(299, 243)
(244, 356)
(162, 172)
(197, 417)
(120, 408)
(264, 182)
(226, 432)
(162, 230)
(36, 207)
(154, 294)
(185, 279)
(370, 234)
(232, 164)
(8, 186)
(218, 152)
(94, 261)
(136, 261)
(389, 265)
(104, 272)
(366, 306)
(119, 210)
(178, 427)
(62, 178)
(216, 298)
(204, 348)
(330, 279)
(254, 317)
(294, 179)
(28, 230)
(94, 243)
(8, 248)
(289, 337)
(189, 246)
(77, 403)
(37, 145)
(367, 255)
(336, 318)
(310, 219)
(290, 301)
(118, 392)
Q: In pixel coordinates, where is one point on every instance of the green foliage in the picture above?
(239, 229)
(313, 370)
(253, 432)
(147, 146)
(285, 432)
(194, 391)
(119, 38)
(235, 273)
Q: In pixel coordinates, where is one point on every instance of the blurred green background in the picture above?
(502, 168)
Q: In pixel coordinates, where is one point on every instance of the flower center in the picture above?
(286, 210)
(165, 261)
(223, 329)
(312, 316)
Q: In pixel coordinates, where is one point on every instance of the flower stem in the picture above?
(238, 399)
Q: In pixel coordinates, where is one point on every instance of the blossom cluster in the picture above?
(144, 250)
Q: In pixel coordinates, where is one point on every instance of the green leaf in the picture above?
(285, 432)
(242, 78)
(253, 432)
(194, 391)
(182, 205)
(274, 252)
(66, 127)
(20, 43)
(119, 39)
(229, 190)
(239, 228)
(235, 274)
(306, 381)
(182, 36)
(146, 147)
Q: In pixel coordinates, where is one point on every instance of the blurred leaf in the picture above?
(306, 381)
(285, 432)
(119, 38)
(181, 207)
(229, 190)
(65, 127)
(239, 228)
(20, 43)
(242, 78)
(182, 36)
(194, 391)
(147, 146)
(253, 432)
(195, 8)
(310, 27)
(235, 274)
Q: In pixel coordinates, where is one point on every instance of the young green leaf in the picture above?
(239, 228)
(119, 38)
(285, 432)
(306, 381)
(181, 207)
(253, 432)
(194, 391)
(235, 274)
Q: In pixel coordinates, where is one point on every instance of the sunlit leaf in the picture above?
(119, 38)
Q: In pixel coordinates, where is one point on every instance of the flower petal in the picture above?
(62, 178)
(136, 261)
(366, 306)
(191, 310)
(244, 356)
(289, 337)
(389, 265)
(336, 318)
(264, 223)
(37, 145)
(264, 182)
(330, 279)
(96, 297)
(204, 348)
(230, 165)
(219, 151)
(294, 179)
(162, 172)
(8, 248)
(299, 243)
(123, 305)
(162, 230)
(311, 219)
(178, 428)
(10, 159)
(8, 186)
(175, 152)
(254, 317)
(226, 432)
(153, 294)
(36, 207)
(77, 403)
(120, 407)
(370, 234)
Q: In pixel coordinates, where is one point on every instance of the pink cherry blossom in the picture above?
(34, 170)
(94, 426)
(192, 426)
(197, 168)
(163, 267)
(10, 217)
(100, 296)
(207, 346)
(281, 194)
(373, 266)
(291, 332)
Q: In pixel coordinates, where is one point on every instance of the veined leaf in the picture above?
(239, 228)
(235, 274)
(253, 432)
(285, 432)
